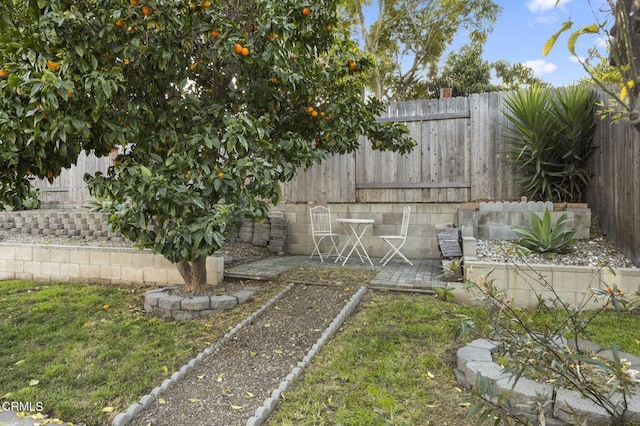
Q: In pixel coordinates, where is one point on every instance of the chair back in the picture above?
(320, 220)
(404, 228)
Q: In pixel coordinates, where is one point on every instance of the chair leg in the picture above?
(317, 250)
(392, 252)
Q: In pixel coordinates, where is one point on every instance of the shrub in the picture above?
(552, 139)
(542, 238)
(547, 343)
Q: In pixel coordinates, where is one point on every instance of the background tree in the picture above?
(213, 103)
(408, 38)
(466, 72)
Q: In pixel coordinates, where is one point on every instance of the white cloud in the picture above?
(539, 6)
(547, 19)
(540, 66)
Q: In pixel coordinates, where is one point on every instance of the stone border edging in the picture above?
(476, 359)
(263, 412)
(122, 419)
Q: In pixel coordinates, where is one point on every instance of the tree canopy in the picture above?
(213, 104)
(408, 38)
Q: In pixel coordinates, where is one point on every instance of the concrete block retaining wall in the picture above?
(95, 265)
(494, 220)
(107, 265)
(421, 242)
(83, 224)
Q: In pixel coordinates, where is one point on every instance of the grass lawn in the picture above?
(84, 363)
(391, 363)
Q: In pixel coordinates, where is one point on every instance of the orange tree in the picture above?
(213, 104)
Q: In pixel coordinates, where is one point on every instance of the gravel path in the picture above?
(228, 387)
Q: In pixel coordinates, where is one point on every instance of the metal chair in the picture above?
(397, 241)
(321, 229)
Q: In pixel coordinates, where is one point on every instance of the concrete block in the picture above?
(199, 303)
(219, 303)
(243, 296)
(490, 207)
(170, 302)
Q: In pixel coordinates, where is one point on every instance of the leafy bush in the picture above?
(548, 342)
(552, 139)
(19, 198)
(542, 238)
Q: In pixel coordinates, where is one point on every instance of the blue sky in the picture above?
(525, 25)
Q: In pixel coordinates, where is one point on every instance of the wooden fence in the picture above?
(457, 159)
(614, 194)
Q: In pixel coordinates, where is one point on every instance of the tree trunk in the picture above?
(194, 275)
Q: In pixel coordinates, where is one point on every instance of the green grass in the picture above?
(60, 347)
(391, 364)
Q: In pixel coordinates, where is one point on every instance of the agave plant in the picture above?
(543, 238)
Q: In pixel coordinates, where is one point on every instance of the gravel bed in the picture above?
(596, 252)
(230, 384)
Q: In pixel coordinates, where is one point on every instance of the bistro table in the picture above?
(356, 229)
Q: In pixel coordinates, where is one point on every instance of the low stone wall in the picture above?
(87, 225)
(494, 220)
(95, 265)
(476, 359)
(107, 265)
(572, 283)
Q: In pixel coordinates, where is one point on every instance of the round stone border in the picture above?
(476, 359)
(162, 303)
(262, 412)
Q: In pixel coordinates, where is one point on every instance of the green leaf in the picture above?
(548, 45)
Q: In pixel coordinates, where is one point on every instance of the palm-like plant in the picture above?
(552, 138)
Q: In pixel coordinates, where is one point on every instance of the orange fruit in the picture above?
(4, 72)
(306, 11)
(106, 307)
(274, 80)
(310, 109)
(206, 4)
(314, 114)
(329, 27)
(50, 174)
(146, 10)
(193, 67)
(237, 48)
(28, 172)
(135, 3)
(352, 65)
(272, 35)
(245, 51)
(292, 56)
(192, 7)
(215, 34)
(220, 175)
(119, 23)
(53, 66)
